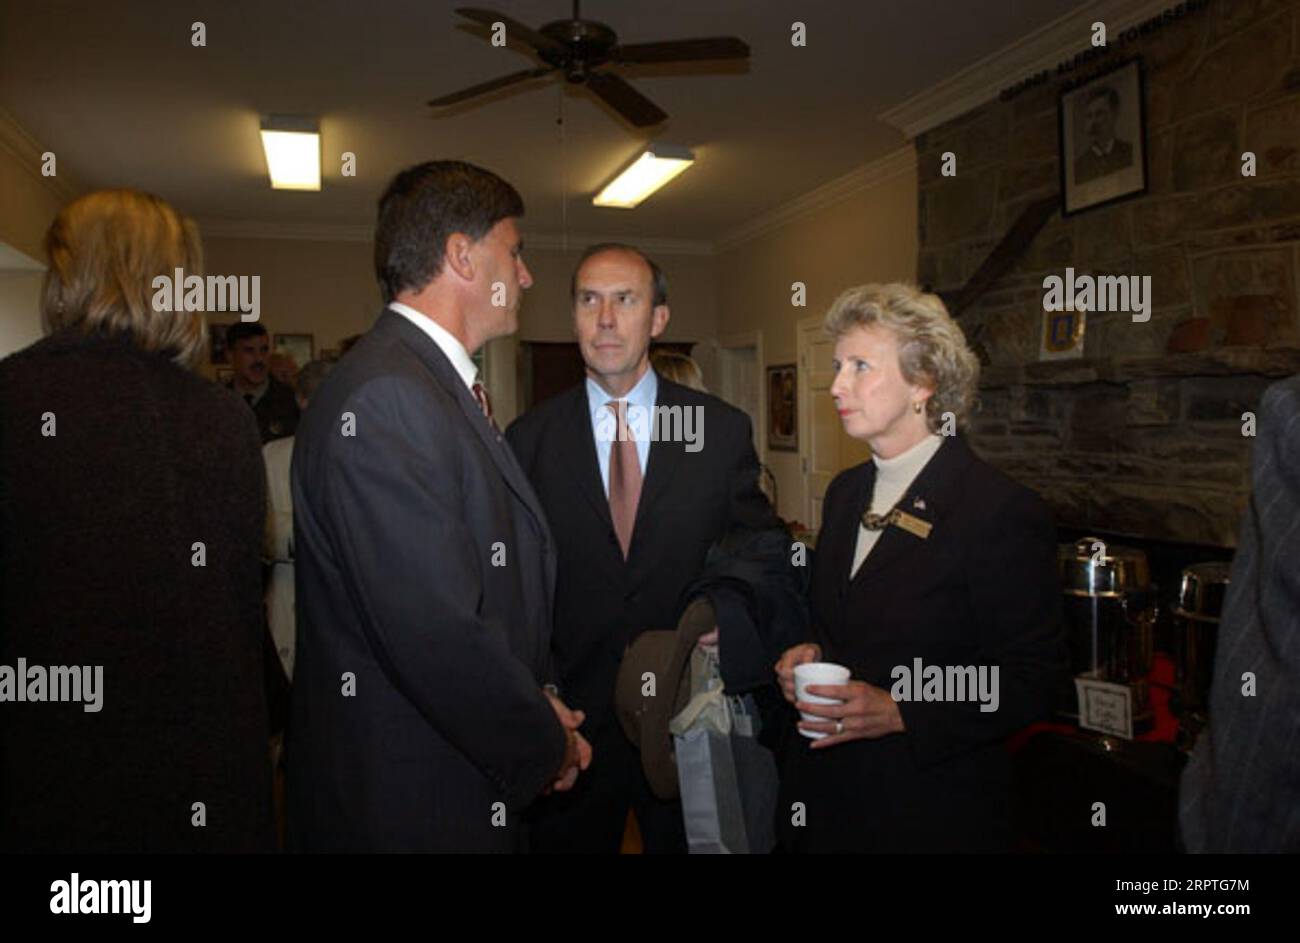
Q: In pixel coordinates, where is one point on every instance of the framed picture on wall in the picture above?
(301, 347)
(782, 414)
(1103, 139)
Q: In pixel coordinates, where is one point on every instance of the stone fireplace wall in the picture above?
(1144, 435)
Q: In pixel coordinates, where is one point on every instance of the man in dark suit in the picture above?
(425, 569)
(1241, 790)
(633, 521)
(272, 402)
(1106, 154)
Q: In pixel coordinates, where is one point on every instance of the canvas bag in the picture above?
(728, 780)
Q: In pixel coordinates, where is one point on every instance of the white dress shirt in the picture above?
(640, 420)
(446, 341)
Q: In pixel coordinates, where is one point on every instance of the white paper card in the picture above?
(1105, 706)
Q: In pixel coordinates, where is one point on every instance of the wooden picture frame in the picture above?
(301, 347)
(782, 408)
(1103, 137)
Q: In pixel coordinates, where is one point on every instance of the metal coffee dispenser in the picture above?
(1110, 613)
(1196, 622)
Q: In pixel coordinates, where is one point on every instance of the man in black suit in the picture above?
(425, 568)
(633, 521)
(1241, 789)
(1105, 154)
(272, 402)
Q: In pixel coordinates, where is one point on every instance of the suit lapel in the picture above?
(582, 444)
(928, 499)
(665, 457)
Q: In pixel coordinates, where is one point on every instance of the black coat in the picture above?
(424, 570)
(689, 501)
(276, 411)
(97, 567)
(981, 590)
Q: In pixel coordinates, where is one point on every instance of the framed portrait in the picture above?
(782, 415)
(217, 344)
(301, 347)
(1103, 139)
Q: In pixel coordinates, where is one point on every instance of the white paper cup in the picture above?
(817, 672)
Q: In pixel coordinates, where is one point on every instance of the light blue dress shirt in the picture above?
(640, 420)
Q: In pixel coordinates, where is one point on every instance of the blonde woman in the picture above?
(935, 585)
(131, 509)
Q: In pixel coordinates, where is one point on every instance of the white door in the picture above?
(824, 448)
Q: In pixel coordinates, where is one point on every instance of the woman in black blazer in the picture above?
(934, 583)
(132, 501)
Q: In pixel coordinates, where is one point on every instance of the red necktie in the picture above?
(485, 404)
(624, 478)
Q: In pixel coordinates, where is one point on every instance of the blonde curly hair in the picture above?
(932, 349)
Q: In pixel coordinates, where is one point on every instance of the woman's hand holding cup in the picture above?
(793, 658)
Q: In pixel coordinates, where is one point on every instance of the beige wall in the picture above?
(869, 236)
(327, 289)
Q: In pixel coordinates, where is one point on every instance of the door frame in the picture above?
(740, 341)
(805, 415)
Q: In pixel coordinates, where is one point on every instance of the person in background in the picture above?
(277, 456)
(926, 555)
(248, 347)
(1241, 788)
(634, 520)
(284, 369)
(679, 368)
(132, 504)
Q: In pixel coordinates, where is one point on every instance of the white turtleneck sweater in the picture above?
(893, 477)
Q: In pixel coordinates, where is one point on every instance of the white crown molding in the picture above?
(1042, 49)
(212, 228)
(577, 241)
(878, 171)
(27, 151)
(893, 164)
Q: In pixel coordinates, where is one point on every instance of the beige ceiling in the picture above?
(118, 92)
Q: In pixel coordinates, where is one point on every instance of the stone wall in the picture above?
(1144, 434)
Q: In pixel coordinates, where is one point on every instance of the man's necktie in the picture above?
(624, 478)
(485, 404)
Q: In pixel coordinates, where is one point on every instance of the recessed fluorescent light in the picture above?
(292, 147)
(659, 164)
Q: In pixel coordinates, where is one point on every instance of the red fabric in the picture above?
(1164, 725)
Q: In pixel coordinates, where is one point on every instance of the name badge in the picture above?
(913, 525)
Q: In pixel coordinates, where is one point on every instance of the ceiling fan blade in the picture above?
(484, 87)
(514, 29)
(626, 100)
(684, 50)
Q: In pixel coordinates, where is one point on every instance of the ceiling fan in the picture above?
(577, 47)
